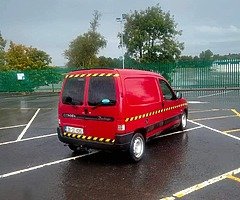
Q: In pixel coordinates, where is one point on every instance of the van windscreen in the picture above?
(101, 88)
(73, 91)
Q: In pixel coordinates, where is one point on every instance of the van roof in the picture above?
(121, 72)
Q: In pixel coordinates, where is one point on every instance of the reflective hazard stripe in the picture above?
(134, 118)
(90, 138)
(92, 75)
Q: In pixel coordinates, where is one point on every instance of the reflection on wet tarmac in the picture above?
(23, 104)
(112, 176)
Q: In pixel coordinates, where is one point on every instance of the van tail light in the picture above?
(59, 121)
(121, 127)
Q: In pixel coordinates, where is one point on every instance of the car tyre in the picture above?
(183, 123)
(137, 147)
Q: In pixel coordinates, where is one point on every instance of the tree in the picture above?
(83, 50)
(186, 58)
(38, 58)
(106, 62)
(206, 55)
(20, 57)
(32, 62)
(150, 35)
(2, 51)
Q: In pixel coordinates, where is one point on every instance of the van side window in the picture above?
(141, 90)
(73, 91)
(167, 92)
(101, 88)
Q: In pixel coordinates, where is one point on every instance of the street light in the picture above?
(121, 21)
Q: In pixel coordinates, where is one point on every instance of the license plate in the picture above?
(70, 129)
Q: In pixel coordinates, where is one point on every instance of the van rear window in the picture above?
(101, 88)
(73, 91)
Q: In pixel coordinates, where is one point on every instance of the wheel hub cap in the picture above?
(138, 147)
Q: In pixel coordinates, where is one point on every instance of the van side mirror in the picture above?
(179, 95)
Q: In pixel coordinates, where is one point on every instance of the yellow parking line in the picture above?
(232, 131)
(205, 184)
(234, 178)
(236, 112)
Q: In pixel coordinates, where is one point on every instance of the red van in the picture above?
(117, 109)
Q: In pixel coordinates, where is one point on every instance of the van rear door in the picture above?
(71, 105)
(90, 106)
(101, 107)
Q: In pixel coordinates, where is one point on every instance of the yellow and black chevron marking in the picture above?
(130, 119)
(88, 138)
(92, 75)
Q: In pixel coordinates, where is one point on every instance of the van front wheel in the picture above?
(137, 147)
(183, 123)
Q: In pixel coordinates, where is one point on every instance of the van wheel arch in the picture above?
(142, 131)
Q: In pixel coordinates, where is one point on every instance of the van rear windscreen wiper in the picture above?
(70, 101)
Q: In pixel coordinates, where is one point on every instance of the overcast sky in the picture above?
(50, 25)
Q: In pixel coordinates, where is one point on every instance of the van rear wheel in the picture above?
(137, 147)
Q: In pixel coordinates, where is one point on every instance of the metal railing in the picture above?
(214, 75)
(188, 75)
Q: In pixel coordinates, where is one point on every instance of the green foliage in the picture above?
(20, 57)
(150, 35)
(2, 51)
(83, 50)
(106, 62)
(206, 55)
(205, 59)
(229, 56)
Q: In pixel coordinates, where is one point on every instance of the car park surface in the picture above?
(200, 163)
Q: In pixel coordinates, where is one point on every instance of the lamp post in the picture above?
(121, 20)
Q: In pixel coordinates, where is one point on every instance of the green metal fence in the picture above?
(207, 75)
(198, 74)
(48, 80)
(182, 75)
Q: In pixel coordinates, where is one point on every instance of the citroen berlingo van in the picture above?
(117, 109)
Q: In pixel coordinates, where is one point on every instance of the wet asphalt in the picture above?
(37, 166)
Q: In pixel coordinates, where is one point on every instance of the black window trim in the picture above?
(174, 97)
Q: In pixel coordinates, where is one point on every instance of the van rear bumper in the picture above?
(121, 142)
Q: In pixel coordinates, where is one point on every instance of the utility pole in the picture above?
(121, 21)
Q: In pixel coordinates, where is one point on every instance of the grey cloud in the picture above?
(51, 25)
